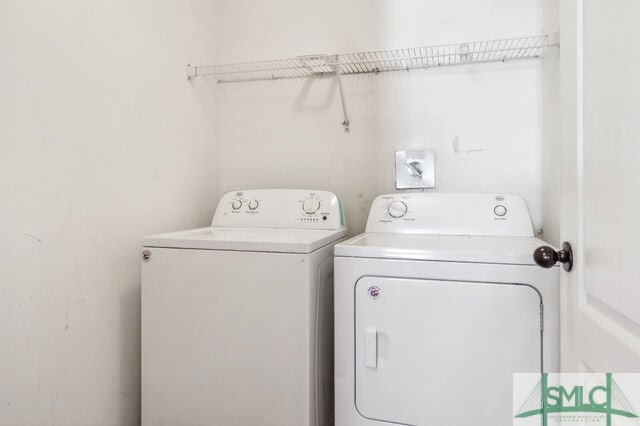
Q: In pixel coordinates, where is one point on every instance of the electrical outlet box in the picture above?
(415, 169)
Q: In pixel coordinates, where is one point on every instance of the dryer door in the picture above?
(443, 352)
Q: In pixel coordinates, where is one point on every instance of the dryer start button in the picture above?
(500, 210)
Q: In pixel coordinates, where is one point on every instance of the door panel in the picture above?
(425, 348)
(599, 68)
(611, 154)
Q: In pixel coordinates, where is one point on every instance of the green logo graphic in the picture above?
(608, 399)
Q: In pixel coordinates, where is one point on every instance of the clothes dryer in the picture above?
(437, 304)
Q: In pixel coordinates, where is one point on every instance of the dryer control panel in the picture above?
(279, 208)
(450, 214)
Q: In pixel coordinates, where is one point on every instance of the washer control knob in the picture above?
(311, 206)
(500, 210)
(397, 209)
(253, 204)
(236, 204)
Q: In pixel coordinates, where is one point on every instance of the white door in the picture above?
(442, 352)
(600, 84)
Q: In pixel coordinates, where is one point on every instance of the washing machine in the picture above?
(237, 317)
(437, 304)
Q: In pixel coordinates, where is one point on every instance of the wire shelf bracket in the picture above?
(345, 123)
(377, 61)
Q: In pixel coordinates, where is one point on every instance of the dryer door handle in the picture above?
(371, 348)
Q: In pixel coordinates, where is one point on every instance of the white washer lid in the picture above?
(446, 248)
(247, 239)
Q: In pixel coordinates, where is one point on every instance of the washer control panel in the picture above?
(280, 208)
(450, 214)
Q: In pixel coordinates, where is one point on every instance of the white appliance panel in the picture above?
(279, 208)
(426, 348)
(224, 343)
(450, 214)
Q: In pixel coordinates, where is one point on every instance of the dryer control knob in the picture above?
(253, 204)
(236, 204)
(397, 209)
(311, 206)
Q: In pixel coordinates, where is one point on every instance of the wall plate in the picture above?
(415, 169)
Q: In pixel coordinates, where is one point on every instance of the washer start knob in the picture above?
(253, 204)
(397, 209)
(311, 206)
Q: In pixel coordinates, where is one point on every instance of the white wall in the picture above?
(102, 140)
(287, 133)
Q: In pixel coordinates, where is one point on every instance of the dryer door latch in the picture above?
(371, 348)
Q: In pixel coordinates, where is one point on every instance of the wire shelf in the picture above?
(380, 60)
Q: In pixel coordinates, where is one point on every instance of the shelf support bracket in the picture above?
(192, 71)
(553, 40)
(338, 72)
